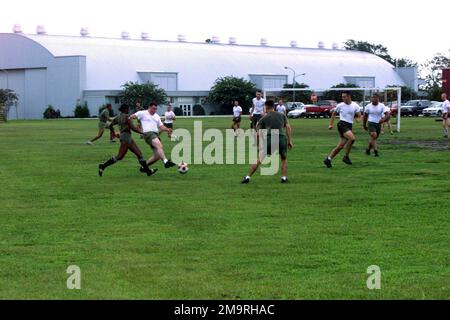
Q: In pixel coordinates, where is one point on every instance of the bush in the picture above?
(198, 110)
(50, 113)
(82, 111)
(178, 112)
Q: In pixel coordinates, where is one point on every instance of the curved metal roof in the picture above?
(111, 62)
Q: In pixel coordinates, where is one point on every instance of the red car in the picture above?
(323, 108)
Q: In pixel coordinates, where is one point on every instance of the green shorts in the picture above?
(282, 145)
(102, 125)
(375, 127)
(126, 137)
(344, 127)
(255, 119)
(149, 137)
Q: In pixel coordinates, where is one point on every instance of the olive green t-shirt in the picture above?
(122, 121)
(104, 116)
(273, 120)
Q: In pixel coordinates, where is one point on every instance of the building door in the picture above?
(187, 109)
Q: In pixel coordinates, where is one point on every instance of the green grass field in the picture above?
(206, 236)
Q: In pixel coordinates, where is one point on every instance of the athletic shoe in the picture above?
(246, 181)
(368, 152)
(347, 160)
(327, 162)
(169, 164)
(152, 172)
(376, 153)
(284, 180)
(89, 143)
(100, 170)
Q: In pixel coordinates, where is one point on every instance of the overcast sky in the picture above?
(415, 30)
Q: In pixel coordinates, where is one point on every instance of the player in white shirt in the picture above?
(445, 114)
(374, 116)
(281, 108)
(151, 125)
(258, 109)
(237, 117)
(169, 118)
(347, 112)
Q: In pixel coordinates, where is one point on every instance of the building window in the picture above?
(165, 80)
(363, 82)
(268, 81)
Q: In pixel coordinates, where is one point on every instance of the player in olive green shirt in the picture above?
(277, 125)
(102, 124)
(126, 143)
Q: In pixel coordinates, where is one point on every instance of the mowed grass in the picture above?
(205, 236)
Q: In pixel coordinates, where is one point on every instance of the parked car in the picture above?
(415, 107)
(298, 112)
(323, 108)
(434, 110)
(293, 105)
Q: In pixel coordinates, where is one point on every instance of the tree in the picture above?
(376, 49)
(404, 63)
(407, 93)
(301, 96)
(7, 98)
(228, 89)
(145, 93)
(337, 95)
(433, 70)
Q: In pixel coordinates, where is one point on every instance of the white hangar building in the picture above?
(60, 70)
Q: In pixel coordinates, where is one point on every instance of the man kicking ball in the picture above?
(347, 111)
(277, 125)
(151, 124)
(376, 114)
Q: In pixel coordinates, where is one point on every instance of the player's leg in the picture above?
(254, 167)
(123, 149)
(112, 133)
(446, 125)
(135, 149)
(348, 148)
(159, 150)
(98, 136)
(341, 144)
(373, 142)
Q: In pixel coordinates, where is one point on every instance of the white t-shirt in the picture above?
(258, 106)
(446, 106)
(168, 117)
(150, 123)
(237, 111)
(281, 108)
(376, 113)
(347, 111)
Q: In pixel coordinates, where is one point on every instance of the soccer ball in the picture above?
(183, 168)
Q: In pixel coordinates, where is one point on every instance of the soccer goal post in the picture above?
(390, 96)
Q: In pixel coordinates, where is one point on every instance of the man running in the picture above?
(169, 118)
(257, 111)
(281, 108)
(347, 111)
(126, 143)
(237, 116)
(277, 125)
(151, 124)
(102, 124)
(445, 114)
(376, 114)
